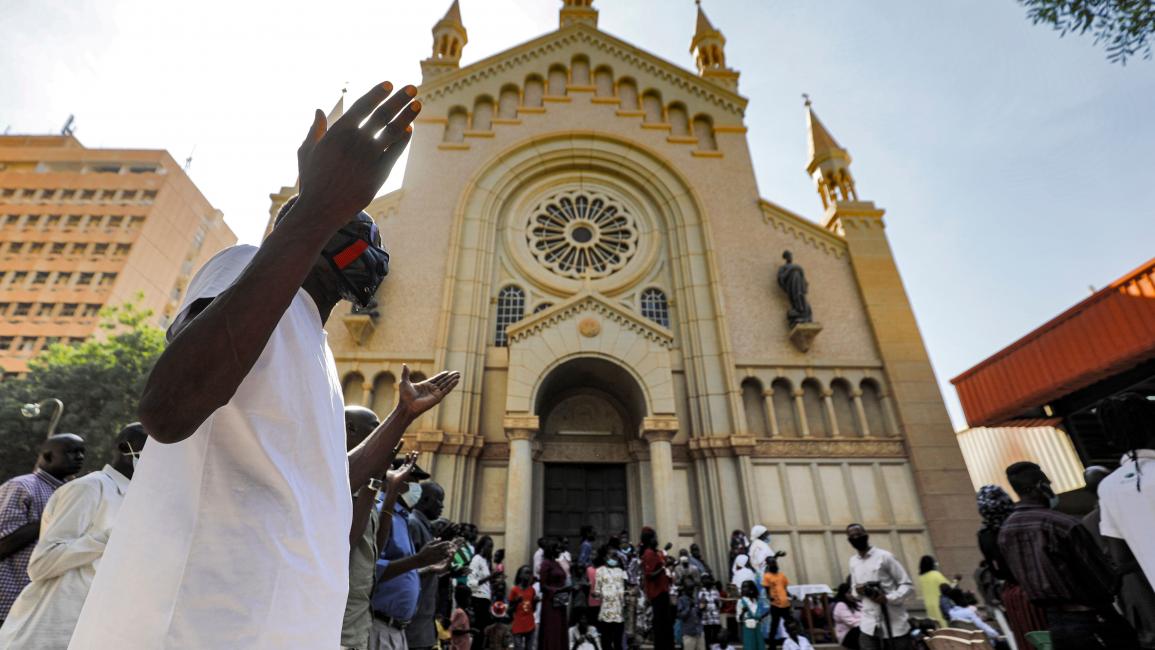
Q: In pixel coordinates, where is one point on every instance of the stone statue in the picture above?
(792, 280)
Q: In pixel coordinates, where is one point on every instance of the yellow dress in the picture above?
(928, 584)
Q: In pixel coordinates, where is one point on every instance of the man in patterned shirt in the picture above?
(22, 501)
(710, 604)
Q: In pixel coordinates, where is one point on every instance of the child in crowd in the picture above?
(584, 636)
(710, 609)
(775, 583)
(498, 635)
(749, 616)
(523, 600)
(794, 639)
(459, 623)
(690, 618)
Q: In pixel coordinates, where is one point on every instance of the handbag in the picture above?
(562, 599)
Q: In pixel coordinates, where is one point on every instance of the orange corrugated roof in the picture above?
(1112, 330)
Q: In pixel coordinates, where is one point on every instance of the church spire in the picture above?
(578, 11)
(449, 39)
(709, 49)
(829, 164)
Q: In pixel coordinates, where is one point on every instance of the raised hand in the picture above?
(343, 166)
(416, 399)
(395, 478)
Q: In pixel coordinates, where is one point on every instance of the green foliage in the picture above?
(99, 381)
(1126, 26)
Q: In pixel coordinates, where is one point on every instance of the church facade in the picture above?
(580, 233)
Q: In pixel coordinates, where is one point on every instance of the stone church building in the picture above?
(580, 233)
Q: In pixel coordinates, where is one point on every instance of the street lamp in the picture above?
(34, 410)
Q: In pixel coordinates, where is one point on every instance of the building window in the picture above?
(27, 344)
(4, 308)
(106, 169)
(22, 309)
(91, 310)
(19, 278)
(148, 195)
(49, 341)
(655, 306)
(45, 309)
(79, 248)
(6, 342)
(41, 277)
(128, 195)
(94, 221)
(11, 220)
(67, 195)
(51, 221)
(115, 221)
(143, 169)
(122, 250)
(107, 279)
(16, 247)
(510, 309)
(136, 222)
(9, 192)
(107, 195)
(581, 234)
(28, 193)
(48, 194)
(88, 195)
(85, 279)
(36, 248)
(100, 249)
(63, 277)
(32, 221)
(57, 249)
(68, 309)
(73, 221)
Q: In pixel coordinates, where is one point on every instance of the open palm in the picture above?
(418, 398)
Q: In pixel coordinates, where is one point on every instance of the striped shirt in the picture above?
(22, 501)
(1055, 559)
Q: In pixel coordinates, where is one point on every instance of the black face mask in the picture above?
(356, 255)
(860, 544)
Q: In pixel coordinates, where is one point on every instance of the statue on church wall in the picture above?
(792, 280)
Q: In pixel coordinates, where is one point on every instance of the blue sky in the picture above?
(1015, 166)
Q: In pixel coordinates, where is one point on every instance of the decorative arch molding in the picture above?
(501, 184)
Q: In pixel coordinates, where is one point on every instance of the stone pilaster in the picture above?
(658, 432)
(520, 431)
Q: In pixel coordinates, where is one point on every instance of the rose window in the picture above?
(580, 234)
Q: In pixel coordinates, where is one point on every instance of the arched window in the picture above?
(604, 82)
(704, 131)
(558, 78)
(483, 114)
(384, 394)
(655, 306)
(815, 409)
(754, 403)
(679, 120)
(507, 102)
(784, 408)
(510, 309)
(353, 388)
(542, 306)
(534, 89)
(457, 124)
(843, 408)
(580, 71)
(652, 105)
(628, 94)
(872, 405)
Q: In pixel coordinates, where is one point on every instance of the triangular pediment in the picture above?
(588, 302)
(631, 61)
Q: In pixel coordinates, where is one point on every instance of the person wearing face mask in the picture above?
(1060, 567)
(883, 584)
(73, 532)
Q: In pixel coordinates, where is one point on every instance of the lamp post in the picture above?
(34, 410)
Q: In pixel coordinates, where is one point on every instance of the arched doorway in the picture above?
(590, 409)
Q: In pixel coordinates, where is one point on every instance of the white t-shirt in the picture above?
(479, 571)
(1129, 513)
(237, 537)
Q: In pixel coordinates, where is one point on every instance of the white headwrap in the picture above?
(742, 572)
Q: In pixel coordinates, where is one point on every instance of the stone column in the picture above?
(860, 413)
(888, 415)
(519, 490)
(658, 432)
(768, 398)
(800, 413)
(828, 404)
(367, 397)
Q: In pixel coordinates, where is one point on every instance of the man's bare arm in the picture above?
(376, 450)
(342, 169)
(18, 539)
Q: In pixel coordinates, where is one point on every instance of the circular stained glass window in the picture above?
(582, 234)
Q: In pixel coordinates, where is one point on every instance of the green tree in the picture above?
(99, 381)
(1126, 26)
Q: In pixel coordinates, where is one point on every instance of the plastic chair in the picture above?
(1040, 640)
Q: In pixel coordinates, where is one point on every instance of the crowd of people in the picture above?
(250, 521)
